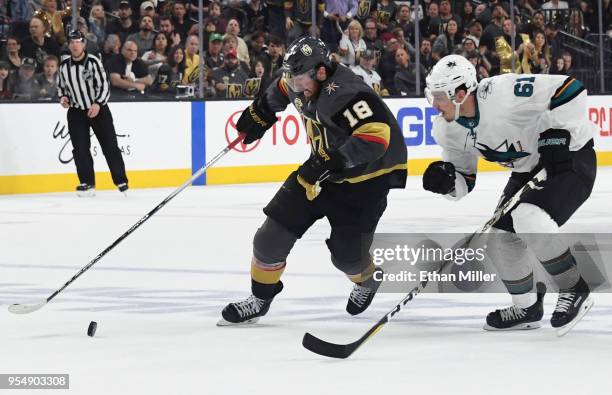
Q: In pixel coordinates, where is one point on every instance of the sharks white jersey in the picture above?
(513, 109)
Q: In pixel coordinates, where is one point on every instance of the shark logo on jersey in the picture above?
(451, 64)
(485, 90)
(504, 154)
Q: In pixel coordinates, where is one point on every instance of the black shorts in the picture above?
(353, 208)
(559, 197)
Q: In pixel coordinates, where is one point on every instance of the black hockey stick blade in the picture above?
(341, 351)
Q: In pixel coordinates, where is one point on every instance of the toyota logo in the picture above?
(231, 133)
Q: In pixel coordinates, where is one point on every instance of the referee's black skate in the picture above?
(572, 305)
(362, 294)
(516, 318)
(86, 190)
(247, 311)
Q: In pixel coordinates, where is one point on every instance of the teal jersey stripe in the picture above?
(571, 91)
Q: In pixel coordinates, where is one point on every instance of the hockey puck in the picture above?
(91, 331)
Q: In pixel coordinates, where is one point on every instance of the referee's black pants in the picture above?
(102, 125)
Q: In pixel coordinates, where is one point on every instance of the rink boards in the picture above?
(164, 143)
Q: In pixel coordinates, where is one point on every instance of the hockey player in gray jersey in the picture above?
(526, 123)
(357, 154)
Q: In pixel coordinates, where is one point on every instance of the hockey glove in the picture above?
(555, 157)
(314, 171)
(439, 177)
(255, 120)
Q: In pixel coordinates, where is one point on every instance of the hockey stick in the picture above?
(29, 308)
(333, 350)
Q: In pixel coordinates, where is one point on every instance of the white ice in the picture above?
(157, 296)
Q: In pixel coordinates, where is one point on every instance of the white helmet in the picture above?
(447, 75)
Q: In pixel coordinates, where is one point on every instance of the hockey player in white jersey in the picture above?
(526, 123)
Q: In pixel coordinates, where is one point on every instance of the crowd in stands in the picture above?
(151, 48)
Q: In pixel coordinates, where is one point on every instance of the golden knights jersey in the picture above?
(512, 111)
(348, 117)
(371, 78)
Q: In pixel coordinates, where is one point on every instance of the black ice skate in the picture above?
(86, 190)
(362, 294)
(517, 318)
(572, 305)
(247, 311)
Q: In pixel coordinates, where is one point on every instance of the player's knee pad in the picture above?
(349, 251)
(272, 242)
(536, 227)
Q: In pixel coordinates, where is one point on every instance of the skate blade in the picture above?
(223, 322)
(86, 194)
(586, 306)
(519, 327)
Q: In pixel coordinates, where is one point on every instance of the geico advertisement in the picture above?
(287, 143)
(35, 138)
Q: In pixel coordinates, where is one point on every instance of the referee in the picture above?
(83, 89)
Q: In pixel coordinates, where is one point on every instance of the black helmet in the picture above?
(76, 35)
(306, 54)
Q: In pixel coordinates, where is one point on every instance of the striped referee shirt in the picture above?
(84, 82)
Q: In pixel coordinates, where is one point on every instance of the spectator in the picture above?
(257, 47)
(47, 80)
(232, 10)
(537, 23)
(336, 17)
(192, 59)
(509, 31)
(469, 46)
(487, 15)
(273, 58)
(298, 18)
(214, 18)
(144, 38)
(54, 18)
(124, 26)
(386, 11)
(214, 57)
(430, 24)
(5, 93)
(256, 16)
(90, 39)
(525, 7)
(398, 33)
(276, 18)
(365, 69)
(539, 54)
(494, 29)
(182, 24)
(481, 65)
(158, 55)
(366, 9)
(11, 55)
(426, 59)
(446, 14)
(229, 80)
(148, 8)
(567, 63)
(371, 37)
(387, 64)
(111, 47)
(233, 27)
(259, 71)
(404, 21)
(576, 26)
(37, 46)
(127, 72)
(475, 30)
(405, 76)
(171, 74)
(558, 67)
(449, 41)
(555, 5)
(467, 14)
(352, 45)
(22, 83)
(166, 25)
(553, 39)
(590, 17)
(97, 22)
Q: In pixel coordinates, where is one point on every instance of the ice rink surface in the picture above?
(158, 295)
